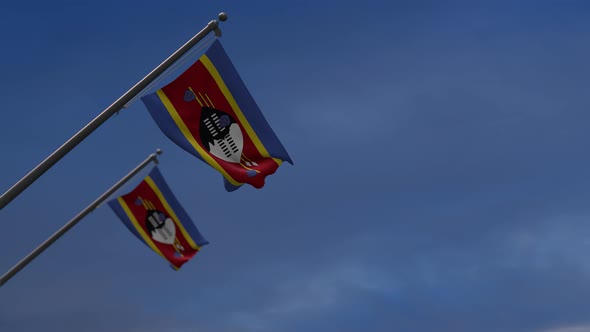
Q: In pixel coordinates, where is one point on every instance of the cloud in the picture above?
(585, 328)
(312, 293)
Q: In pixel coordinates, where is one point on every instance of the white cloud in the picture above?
(560, 239)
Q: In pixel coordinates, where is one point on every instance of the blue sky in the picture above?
(440, 182)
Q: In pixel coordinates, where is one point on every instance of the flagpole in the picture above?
(46, 164)
(25, 261)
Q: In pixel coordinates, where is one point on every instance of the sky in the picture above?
(441, 178)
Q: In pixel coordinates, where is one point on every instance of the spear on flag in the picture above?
(125, 99)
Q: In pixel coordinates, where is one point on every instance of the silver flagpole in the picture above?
(25, 261)
(46, 164)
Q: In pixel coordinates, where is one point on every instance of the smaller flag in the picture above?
(153, 215)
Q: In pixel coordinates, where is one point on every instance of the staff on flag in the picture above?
(33, 175)
(25, 261)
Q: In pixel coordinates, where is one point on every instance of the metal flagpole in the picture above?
(46, 164)
(25, 261)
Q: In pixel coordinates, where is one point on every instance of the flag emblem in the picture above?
(152, 213)
(160, 226)
(209, 112)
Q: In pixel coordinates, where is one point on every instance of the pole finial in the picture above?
(154, 156)
(222, 16)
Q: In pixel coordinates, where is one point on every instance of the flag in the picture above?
(209, 112)
(152, 213)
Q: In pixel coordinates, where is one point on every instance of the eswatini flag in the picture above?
(209, 112)
(152, 213)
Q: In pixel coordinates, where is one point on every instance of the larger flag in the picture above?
(152, 213)
(209, 112)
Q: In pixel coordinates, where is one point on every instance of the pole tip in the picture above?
(158, 151)
(222, 16)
